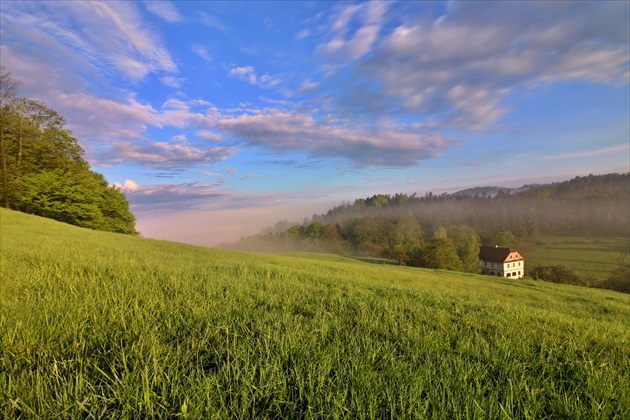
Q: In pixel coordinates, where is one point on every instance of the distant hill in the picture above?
(492, 191)
(400, 226)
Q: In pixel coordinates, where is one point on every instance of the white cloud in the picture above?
(212, 22)
(186, 196)
(164, 10)
(304, 33)
(343, 45)
(174, 82)
(127, 186)
(248, 74)
(621, 148)
(283, 131)
(104, 35)
(459, 69)
(209, 135)
(174, 155)
(307, 86)
(201, 51)
(244, 73)
(95, 117)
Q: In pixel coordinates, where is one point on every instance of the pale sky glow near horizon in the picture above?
(218, 119)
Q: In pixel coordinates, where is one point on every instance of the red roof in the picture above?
(498, 255)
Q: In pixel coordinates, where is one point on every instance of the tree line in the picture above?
(445, 231)
(43, 171)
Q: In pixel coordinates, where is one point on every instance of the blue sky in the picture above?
(218, 119)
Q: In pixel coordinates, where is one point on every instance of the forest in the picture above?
(43, 171)
(445, 231)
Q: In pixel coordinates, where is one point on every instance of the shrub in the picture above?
(555, 274)
(618, 280)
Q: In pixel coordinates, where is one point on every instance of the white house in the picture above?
(502, 262)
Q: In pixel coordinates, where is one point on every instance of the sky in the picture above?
(218, 119)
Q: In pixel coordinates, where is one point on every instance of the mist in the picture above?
(590, 206)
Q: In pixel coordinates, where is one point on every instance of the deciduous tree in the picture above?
(43, 170)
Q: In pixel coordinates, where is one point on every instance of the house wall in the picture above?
(512, 269)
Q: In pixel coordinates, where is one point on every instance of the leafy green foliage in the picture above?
(66, 196)
(441, 253)
(467, 244)
(555, 274)
(99, 325)
(504, 239)
(404, 239)
(43, 170)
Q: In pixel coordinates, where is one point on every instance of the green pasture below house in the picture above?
(101, 325)
(591, 258)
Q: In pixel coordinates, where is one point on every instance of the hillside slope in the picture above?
(94, 324)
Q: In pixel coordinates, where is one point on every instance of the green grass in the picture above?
(591, 258)
(99, 325)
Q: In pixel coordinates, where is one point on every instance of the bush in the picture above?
(555, 274)
(618, 280)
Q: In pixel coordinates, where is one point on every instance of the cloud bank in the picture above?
(283, 131)
(460, 68)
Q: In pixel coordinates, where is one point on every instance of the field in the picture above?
(99, 325)
(591, 258)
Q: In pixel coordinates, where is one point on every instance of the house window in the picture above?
(509, 275)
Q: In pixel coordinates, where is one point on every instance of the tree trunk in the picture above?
(5, 181)
(19, 159)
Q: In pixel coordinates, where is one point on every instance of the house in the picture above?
(502, 262)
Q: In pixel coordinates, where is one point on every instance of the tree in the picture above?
(64, 196)
(440, 253)
(440, 233)
(618, 279)
(331, 237)
(43, 170)
(313, 232)
(533, 228)
(404, 238)
(114, 208)
(378, 201)
(8, 90)
(467, 244)
(366, 235)
(504, 238)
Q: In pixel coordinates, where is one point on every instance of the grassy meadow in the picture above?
(100, 325)
(591, 258)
